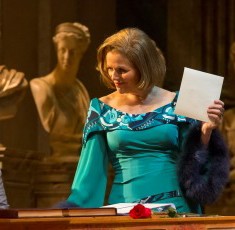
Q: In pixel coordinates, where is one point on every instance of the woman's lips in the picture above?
(118, 84)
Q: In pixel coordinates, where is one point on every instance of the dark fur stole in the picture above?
(203, 172)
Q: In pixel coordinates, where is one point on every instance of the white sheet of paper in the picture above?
(198, 90)
(124, 208)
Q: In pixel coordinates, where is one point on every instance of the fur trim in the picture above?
(203, 172)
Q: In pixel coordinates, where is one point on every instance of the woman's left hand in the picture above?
(215, 114)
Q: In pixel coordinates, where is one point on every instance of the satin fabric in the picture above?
(143, 150)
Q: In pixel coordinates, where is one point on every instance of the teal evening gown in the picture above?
(143, 150)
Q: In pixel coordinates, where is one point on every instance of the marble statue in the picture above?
(61, 98)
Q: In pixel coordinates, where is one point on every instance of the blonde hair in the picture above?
(75, 29)
(140, 50)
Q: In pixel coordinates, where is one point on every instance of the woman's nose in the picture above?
(114, 75)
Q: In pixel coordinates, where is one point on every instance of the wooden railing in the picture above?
(120, 222)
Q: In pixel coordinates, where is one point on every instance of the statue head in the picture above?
(71, 41)
(76, 30)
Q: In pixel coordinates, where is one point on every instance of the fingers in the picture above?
(216, 109)
(215, 112)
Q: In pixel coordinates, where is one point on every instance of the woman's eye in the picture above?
(121, 71)
(111, 71)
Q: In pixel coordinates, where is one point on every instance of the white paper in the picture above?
(198, 91)
(124, 208)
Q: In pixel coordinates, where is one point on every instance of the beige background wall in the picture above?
(193, 33)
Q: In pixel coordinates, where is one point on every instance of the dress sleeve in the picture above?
(89, 185)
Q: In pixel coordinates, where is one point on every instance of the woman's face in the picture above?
(123, 74)
(68, 52)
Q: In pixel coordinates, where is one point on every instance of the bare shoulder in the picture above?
(168, 95)
(165, 96)
(108, 98)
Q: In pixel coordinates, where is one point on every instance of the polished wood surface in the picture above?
(120, 222)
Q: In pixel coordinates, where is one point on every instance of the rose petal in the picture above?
(140, 211)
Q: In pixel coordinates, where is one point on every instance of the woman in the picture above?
(153, 151)
(61, 99)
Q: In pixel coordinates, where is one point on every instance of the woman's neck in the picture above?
(140, 97)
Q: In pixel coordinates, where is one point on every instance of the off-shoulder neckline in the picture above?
(138, 114)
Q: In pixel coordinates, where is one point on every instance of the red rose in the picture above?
(139, 211)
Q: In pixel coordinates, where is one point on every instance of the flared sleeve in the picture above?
(89, 185)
